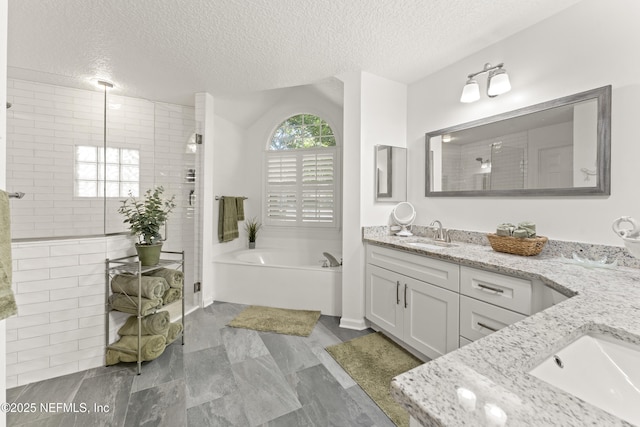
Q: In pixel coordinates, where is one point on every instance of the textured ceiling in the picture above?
(167, 50)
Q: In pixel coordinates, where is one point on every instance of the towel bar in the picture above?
(222, 197)
(16, 195)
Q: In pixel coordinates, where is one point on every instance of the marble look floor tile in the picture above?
(208, 375)
(56, 390)
(224, 312)
(296, 418)
(334, 368)
(110, 391)
(242, 344)
(265, 392)
(166, 368)
(201, 331)
(197, 385)
(164, 405)
(325, 401)
(54, 420)
(132, 368)
(222, 412)
(291, 353)
(322, 337)
(372, 410)
(14, 393)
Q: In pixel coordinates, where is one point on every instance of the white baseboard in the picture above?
(355, 324)
(206, 303)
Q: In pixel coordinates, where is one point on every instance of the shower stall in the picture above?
(75, 154)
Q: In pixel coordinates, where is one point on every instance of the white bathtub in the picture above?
(278, 278)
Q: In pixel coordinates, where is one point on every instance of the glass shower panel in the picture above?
(53, 133)
(74, 184)
(174, 169)
(130, 156)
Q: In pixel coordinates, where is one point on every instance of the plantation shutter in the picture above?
(301, 187)
(282, 187)
(318, 204)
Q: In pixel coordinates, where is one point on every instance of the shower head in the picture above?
(484, 164)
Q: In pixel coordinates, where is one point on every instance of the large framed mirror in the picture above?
(558, 148)
(390, 173)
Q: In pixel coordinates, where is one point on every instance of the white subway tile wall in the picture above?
(60, 326)
(60, 284)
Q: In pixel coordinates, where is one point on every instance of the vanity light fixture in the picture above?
(497, 83)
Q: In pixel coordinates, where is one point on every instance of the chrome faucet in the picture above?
(437, 227)
(441, 235)
(332, 261)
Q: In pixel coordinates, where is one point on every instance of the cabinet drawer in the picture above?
(479, 319)
(505, 291)
(436, 272)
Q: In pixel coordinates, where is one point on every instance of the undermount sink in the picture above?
(434, 245)
(599, 369)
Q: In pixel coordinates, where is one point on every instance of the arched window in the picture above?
(302, 131)
(302, 176)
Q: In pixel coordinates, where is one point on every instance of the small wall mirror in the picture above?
(391, 173)
(557, 148)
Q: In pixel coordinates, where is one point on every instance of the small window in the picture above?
(302, 174)
(111, 173)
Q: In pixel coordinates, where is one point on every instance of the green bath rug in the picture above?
(372, 361)
(278, 320)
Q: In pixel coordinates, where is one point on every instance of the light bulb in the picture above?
(470, 92)
(498, 83)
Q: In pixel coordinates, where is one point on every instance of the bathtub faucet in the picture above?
(332, 261)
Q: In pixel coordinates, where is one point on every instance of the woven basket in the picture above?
(517, 245)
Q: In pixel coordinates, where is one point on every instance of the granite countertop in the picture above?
(495, 367)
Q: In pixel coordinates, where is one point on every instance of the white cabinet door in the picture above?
(384, 299)
(431, 318)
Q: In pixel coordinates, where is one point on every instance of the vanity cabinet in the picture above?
(413, 298)
(436, 306)
(490, 301)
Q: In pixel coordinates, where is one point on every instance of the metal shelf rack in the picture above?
(132, 265)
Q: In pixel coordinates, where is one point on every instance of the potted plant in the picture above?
(145, 219)
(252, 226)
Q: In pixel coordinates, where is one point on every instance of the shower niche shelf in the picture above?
(131, 265)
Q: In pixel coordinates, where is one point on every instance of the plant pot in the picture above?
(252, 245)
(149, 254)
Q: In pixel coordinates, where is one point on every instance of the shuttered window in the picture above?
(301, 184)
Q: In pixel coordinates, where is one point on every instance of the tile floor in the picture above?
(221, 377)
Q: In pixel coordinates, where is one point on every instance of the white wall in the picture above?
(384, 122)
(374, 113)
(3, 163)
(589, 45)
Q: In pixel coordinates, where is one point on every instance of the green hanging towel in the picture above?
(7, 300)
(240, 208)
(228, 219)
